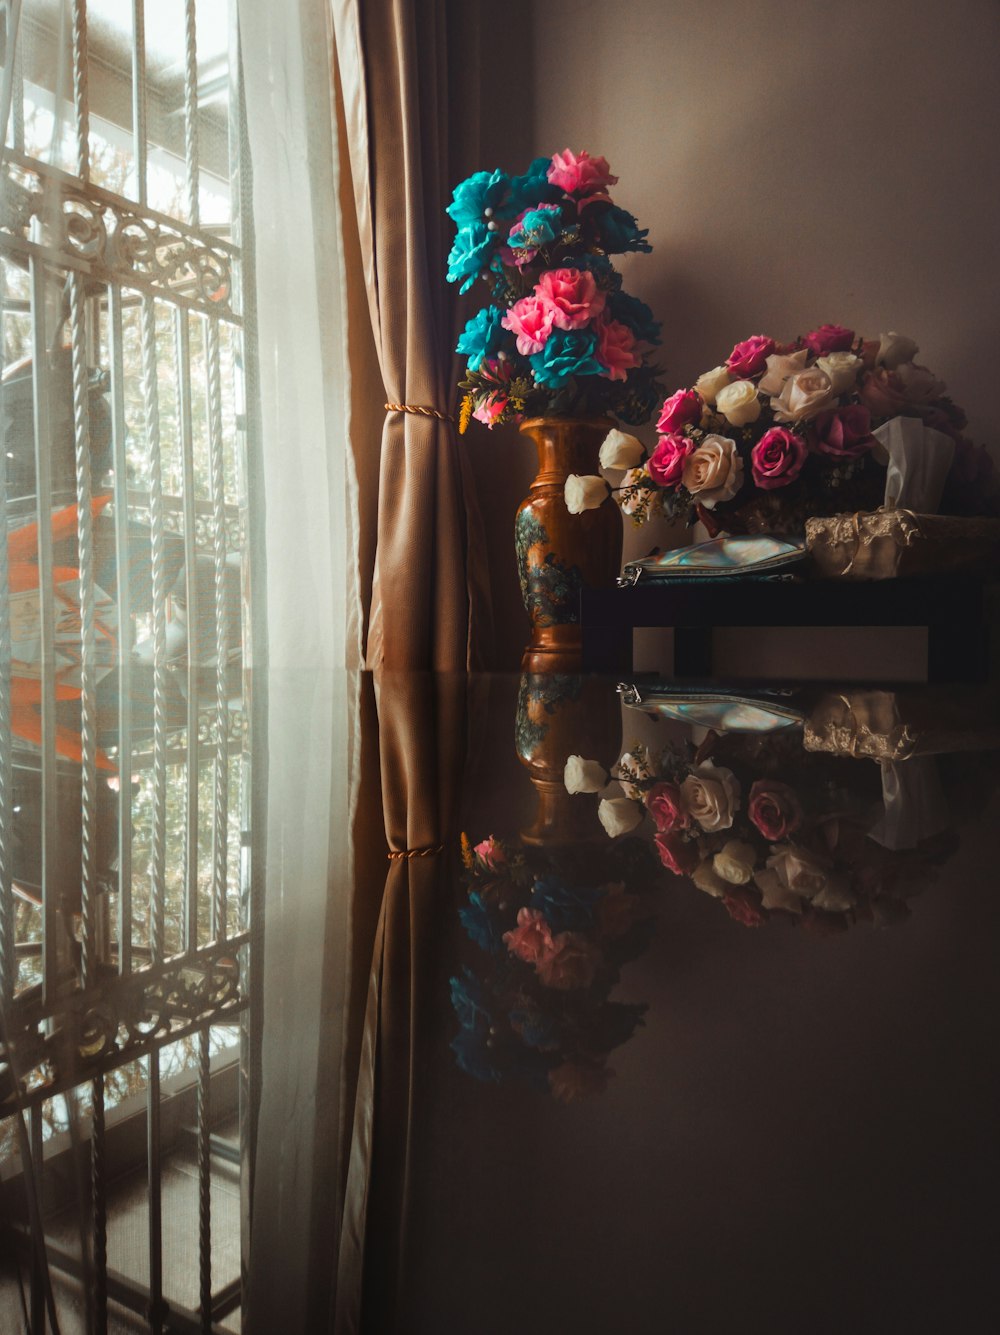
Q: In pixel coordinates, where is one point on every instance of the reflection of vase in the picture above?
(559, 553)
(559, 715)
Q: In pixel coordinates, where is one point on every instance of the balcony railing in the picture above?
(127, 797)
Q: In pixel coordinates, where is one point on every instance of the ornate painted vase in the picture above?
(560, 714)
(559, 553)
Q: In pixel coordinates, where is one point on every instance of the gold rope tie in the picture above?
(420, 409)
(400, 854)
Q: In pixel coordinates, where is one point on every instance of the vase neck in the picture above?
(566, 446)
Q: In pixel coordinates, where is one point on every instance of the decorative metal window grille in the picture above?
(126, 423)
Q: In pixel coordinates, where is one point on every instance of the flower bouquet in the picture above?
(781, 432)
(559, 337)
(773, 831)
(553, 932)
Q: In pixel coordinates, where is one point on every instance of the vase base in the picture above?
(559, 659)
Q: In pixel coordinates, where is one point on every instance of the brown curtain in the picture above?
(422, 739)
(399, 70)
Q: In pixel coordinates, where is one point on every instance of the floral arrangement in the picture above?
(553, 928)
(560, 336)
(790, 427)
(769, 830)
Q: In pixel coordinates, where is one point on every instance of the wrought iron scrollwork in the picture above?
(115, 239)
(104, 1027)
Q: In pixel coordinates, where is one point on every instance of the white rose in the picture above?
(835, 896)
(706, 878)
(919, 384)
(739, 403)
(584, 492)
(620, 450)
(779, 367)
(637, 766)
(774, 895)
(842, 369)
(709, 384)
(799, 870)
(711, 796)
(894, 349)
(803, 395)
(584, 776)
(714, 472)
(637, 495)
(734, 862)
(618, 815)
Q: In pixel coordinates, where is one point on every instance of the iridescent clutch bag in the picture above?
(757, 556)
(720, 710)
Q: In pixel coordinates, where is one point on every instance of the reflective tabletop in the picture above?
(540, 1002)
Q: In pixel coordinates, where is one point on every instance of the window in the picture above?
(127, 422)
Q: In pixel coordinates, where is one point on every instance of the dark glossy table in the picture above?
(955, 611)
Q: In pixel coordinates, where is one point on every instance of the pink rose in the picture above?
(829, 338)
(615, 348)
(664, 804)
(777, 458)
(869, 352)
(490, 853)
(845, 433)
(682, 409)
(881, 393)
(742, 906)
(774, 809)
(571, 964)
(666, 464)
(677, 854)
(489, 409)
(573, 295)
(531, 319)
(750, 356)
(531, 940)
(972, 464)
(579, 173)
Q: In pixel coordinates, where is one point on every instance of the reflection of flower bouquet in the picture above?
(560, 337)
(771, 830)
(556, 927)
(790, 428)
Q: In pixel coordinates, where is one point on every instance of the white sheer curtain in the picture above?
(313, 634)
(309, 489)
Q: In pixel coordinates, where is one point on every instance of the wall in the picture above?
(795, 163)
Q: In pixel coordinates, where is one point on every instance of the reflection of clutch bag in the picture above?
(885, 543)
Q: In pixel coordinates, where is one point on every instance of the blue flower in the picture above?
(481, 926)
(568, 352)
(530, 189)
(474, 1057)
(620, 231)
(637, 315)
(482, 336)
(537, 1029)
(537, 228)
(481, 191)
(568, 908)
(470, 254)
(470, 1001)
